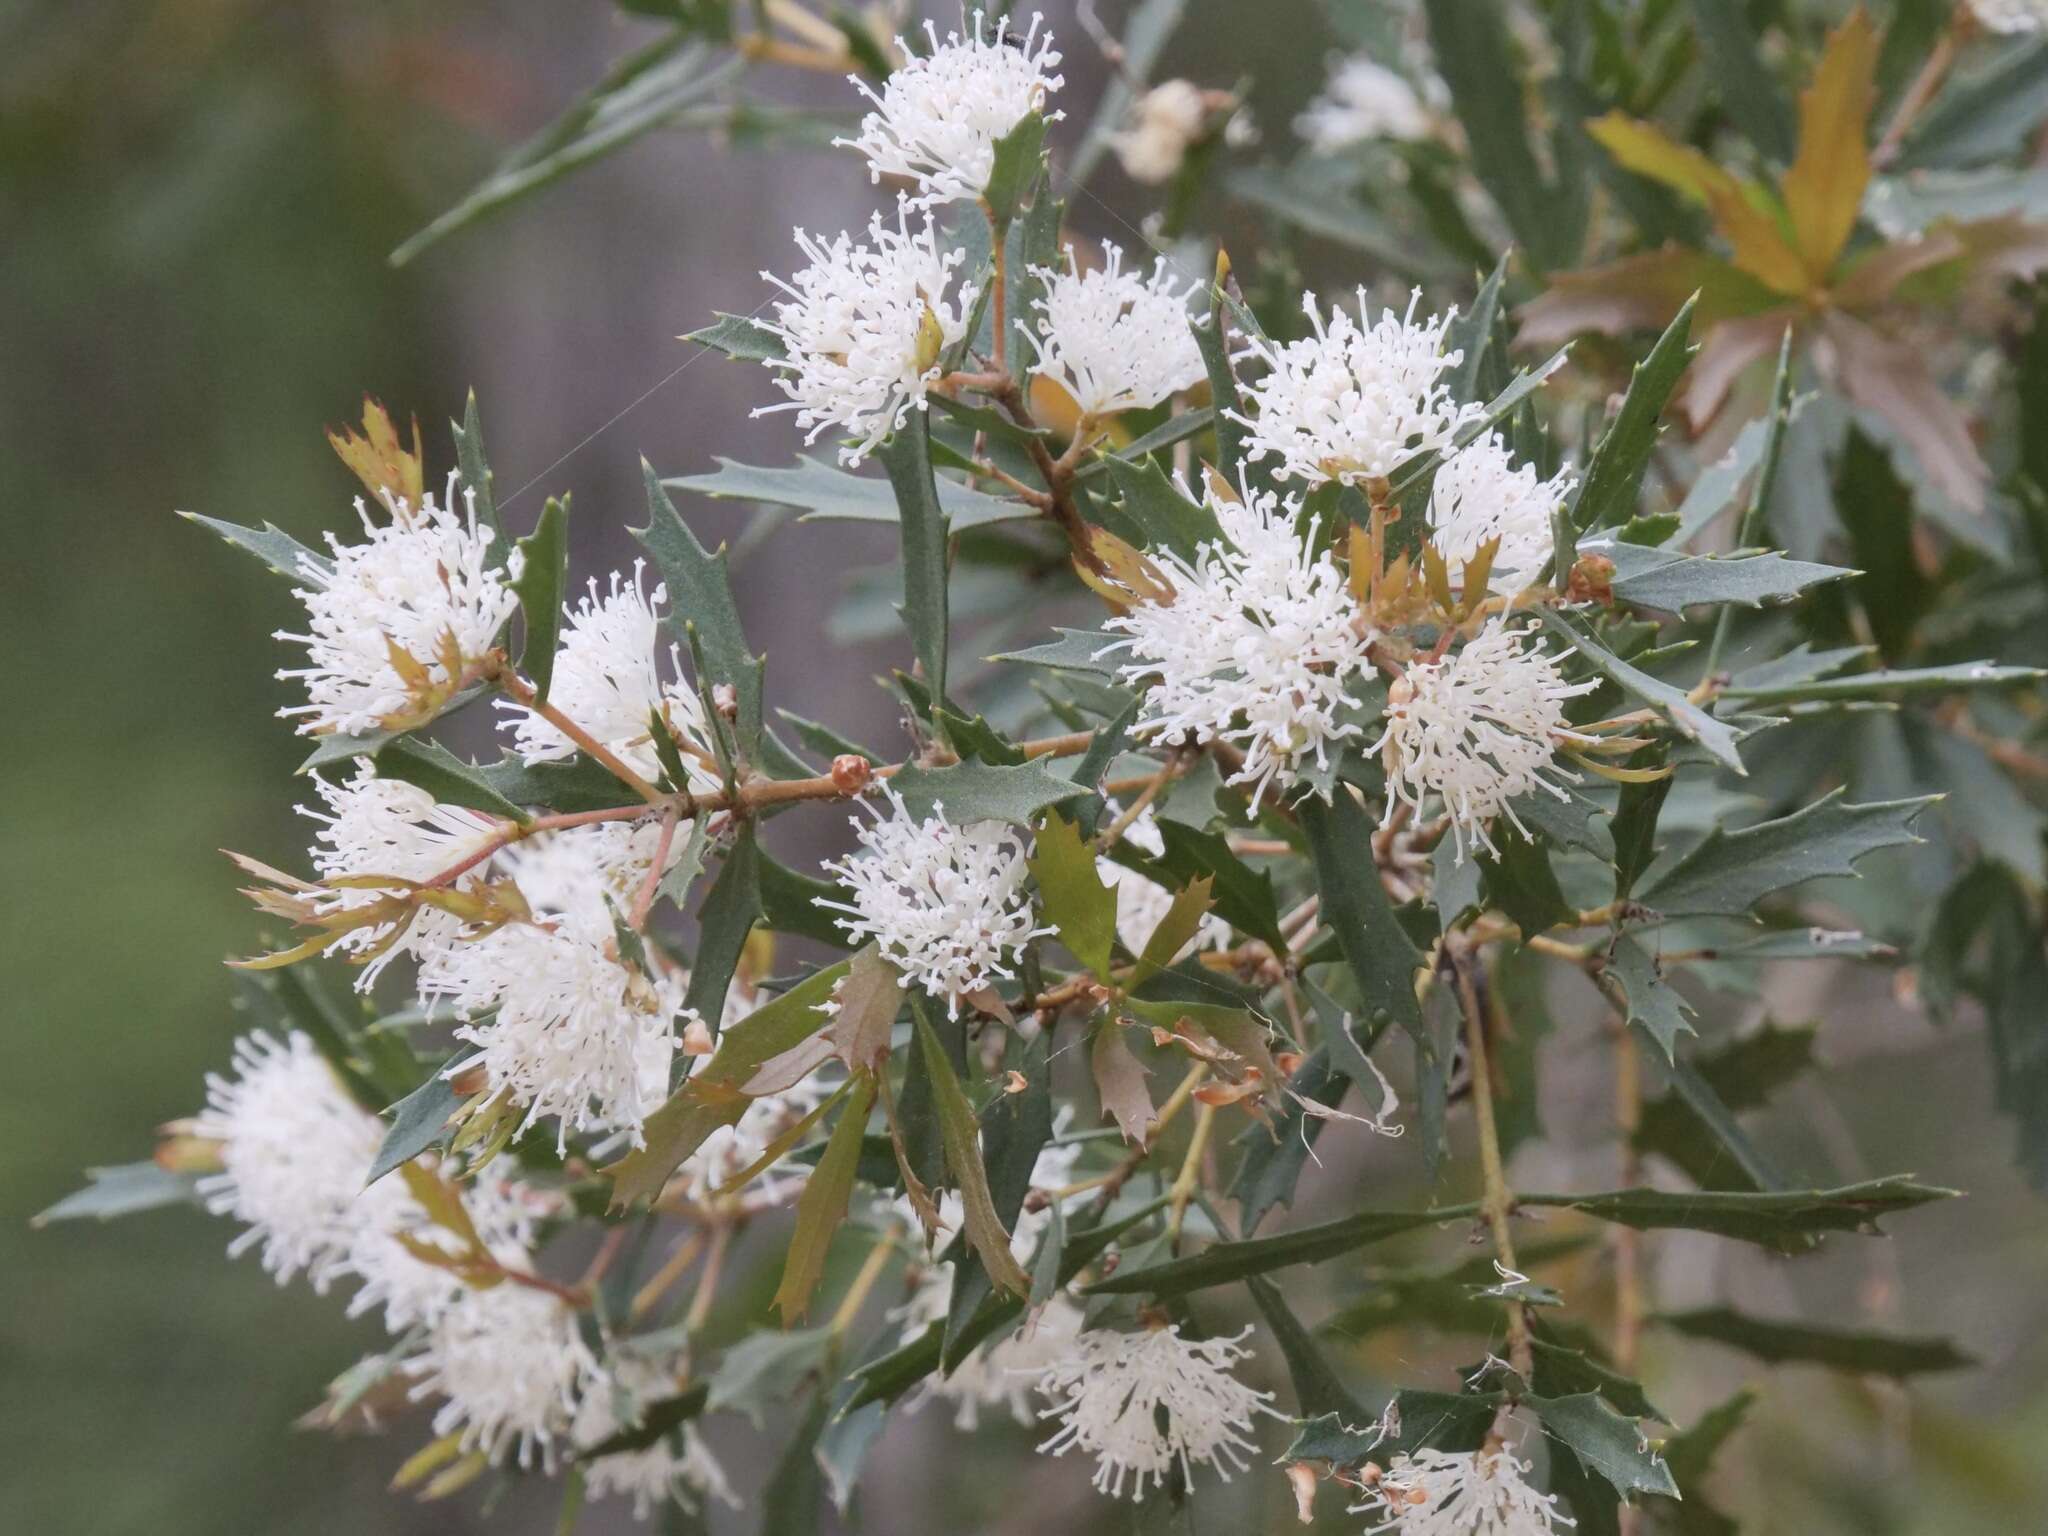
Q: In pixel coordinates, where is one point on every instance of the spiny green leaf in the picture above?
(417, 1121)
(982, 791)
(821, 1209)
(1665, 579)
(1653, 1005)
(1225, 1263)
(822, 492)
(433, 768)
(1355, 907)
(1775, 1219)
(1605, 1442)
(1614, 479)
(728, 915)
(541, 583)
(907, 457)
(701, 600)
(739, 336)
(959, 1131)
(270, 544)
(1730, 872)
(1842, 1349)
(1902, 683)
(122, 1191)
(1716, 736)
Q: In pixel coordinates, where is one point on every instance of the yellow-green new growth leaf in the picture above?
(822, 1206)
(1182, 921)
(959, 1131)
(1740, 209)
(1081, 907)
(1825, 185)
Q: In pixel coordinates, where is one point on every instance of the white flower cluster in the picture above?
(1142, 1403)
(945, 903)
(938, 118)
(1477, 728)
(2011, 17)
(1114, 340)
(608, 681)
(393, 622)
(1256, 645)
(1357, 399)
(506, 1361)
(1363, 100)
(864, 328)
(1480, 495)
(1460, 1493)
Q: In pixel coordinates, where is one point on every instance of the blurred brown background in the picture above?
(198, 197)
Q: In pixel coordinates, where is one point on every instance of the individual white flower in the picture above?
(508, 1362)
(864, 329)
(560, 1025)
(397, 619)
(1480, 494)
(1478, 728)
(1112, 1391)
(374, 826)
(608, 681)
(1354, 401)
(1163, 124)
(1459, 1493)
(677, 1468)
(946, 903)
(938, 118)
(294, 1149)
(586, 879)
(407, 1288)
(1362, 100)
(1255, 647)
(1114, 340)
(2010, 16)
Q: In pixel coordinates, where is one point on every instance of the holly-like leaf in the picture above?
(1605, 1442)
(739, 336)
(1168, 519)
(1225, 1263)
(1784, 1220)
(122, 1191)
(1653, 1004)
(1414, 1421)
(417, 1123)
(701, 602)
(982, 791)
(825, 493)
(1614, 479)
(821, 1209)
(1019, 156)
(1181, 921)
(1906, 682)
(1717, 737)
(1841, 1349)
(959, 1132)
(1730, 872)
(712, 1096)
(1080, 906)
(433, 768)
(1317, 1389)
(1120, 1080)
(1355, 907)
(1664, 579)
(644, 91)
(541, 582)
(1824, 188)
(728, 915)
(272, 545)
(1242, 896)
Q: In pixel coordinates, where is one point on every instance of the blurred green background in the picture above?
(198, 198)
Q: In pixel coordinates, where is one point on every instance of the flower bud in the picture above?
(850, 773)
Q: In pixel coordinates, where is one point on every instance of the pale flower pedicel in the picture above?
(1143, 1403)
(938, 118)
(1460, 1493)
(863, 330)
(394, 622)
(946, 903)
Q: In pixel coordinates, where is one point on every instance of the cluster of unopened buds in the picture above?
(1282, 638)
